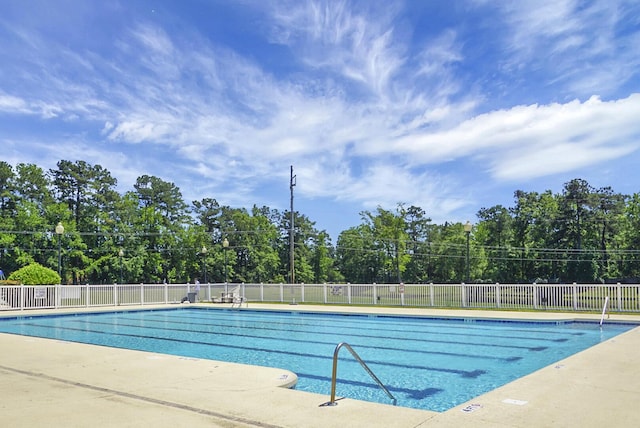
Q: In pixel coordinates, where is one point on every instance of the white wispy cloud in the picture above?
(357, 44)
(575, 43)
(538, 140)
(11, 104)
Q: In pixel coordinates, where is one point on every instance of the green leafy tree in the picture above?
(308, 260)
(608, 211)
(33, 185)
(7, 188)
(542, 254)
(7, 215)
(356, 256)
(252, 240)
(36, 216)
(419, 232)
(495, 230)
(574, 228)
(163, 216)
(390, 237)
(629, 265)
(88, 191)
(322, 260)
(449, 250)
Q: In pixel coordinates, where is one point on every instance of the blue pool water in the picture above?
(426, 363)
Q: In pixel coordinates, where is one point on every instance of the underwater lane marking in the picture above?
(463, 373)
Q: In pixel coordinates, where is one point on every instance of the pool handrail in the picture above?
(334, 373)
(604, 309)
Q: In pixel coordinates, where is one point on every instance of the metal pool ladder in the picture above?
(604, 309)
(364, 366)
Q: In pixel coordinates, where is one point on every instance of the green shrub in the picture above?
(35, 274)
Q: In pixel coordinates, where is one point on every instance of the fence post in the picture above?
(535, 296)
(463, 294)
(431, 293)
(498, 295)
(575, 296)
(115, 294)
(619, 296)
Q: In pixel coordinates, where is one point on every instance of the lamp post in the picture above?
(120, 256)
(292, 262)
(225, 245)
(467, 230)
(204, 263)
(59, 232)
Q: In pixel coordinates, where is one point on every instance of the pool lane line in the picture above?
(543, 339)
(332, 343)
(453, 323)
(368, 336)
(139, 397)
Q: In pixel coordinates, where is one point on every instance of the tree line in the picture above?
(72, 220)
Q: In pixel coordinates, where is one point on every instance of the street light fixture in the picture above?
(121, 255)
(59, 232)
(203, 251)
(467, 230)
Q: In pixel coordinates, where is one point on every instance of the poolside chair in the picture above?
(237, 298)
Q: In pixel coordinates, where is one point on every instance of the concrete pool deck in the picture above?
(46, 382)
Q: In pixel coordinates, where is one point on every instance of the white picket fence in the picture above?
(560, 297)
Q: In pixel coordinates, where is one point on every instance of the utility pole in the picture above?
(292, 277)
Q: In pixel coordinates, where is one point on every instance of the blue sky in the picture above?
(447, 105)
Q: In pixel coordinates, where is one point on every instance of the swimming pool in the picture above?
(426, 363)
